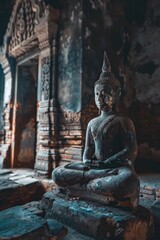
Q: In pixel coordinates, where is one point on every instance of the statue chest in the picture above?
(107, 140)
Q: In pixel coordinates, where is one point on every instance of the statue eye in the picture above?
(109, 94)
(103, 92)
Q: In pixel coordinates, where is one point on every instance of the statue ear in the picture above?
(119, 91)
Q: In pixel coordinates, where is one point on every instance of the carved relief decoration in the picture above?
(31, 25)
(23, 28)
(38, 7)
(45, 77)
(70, 117)
(46, 29)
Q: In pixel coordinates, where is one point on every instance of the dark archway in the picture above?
(25, 117)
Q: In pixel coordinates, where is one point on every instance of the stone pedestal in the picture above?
(155, 210)
(97, 220)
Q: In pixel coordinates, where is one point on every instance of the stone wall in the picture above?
(132, 33)
(93, 46)
(1, 97)
(70, 60)
(8, 75)
(69, 82)
(70, 56)
(145, 64)
(125, 30)
(79, 64)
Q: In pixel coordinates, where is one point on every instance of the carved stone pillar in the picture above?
(6, 136)
(46, 32)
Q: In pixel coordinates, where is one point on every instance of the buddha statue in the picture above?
(107, 172)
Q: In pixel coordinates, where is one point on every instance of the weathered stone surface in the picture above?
(25, 222)
(150, 186)
(56, 229)
(20, 223)
(142, 23)
(72, 235)
(1, 105)
(48, 184)
(53, 226)
(35, 208)
(18, 187)
(99, 221)
(4, 172)
(70, 57)
(155, 210)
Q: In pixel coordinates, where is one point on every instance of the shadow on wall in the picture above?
(148, 159)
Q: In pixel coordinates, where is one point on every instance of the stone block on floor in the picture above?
(150, 186)
(5, 172)
(18, 187)
(22, 223)
(99, 221)
(19, 223)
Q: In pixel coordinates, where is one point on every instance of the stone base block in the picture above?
(99, 221)
(155, 209)
(20, 223)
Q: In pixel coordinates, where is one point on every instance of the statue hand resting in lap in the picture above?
(107, 173)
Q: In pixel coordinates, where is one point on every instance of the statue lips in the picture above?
(100, 104)
(103, 106)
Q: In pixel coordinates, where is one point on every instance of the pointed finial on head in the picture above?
(108, 79)
(106, 68)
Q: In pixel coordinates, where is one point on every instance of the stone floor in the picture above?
(72, 235)
(22, 177)
(19, 186)
(12, 180)
(150, 186)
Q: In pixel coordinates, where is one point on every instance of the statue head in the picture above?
(107, 88)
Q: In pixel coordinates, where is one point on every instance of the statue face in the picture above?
(104, 97)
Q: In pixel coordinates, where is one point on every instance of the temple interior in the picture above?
(51, 55)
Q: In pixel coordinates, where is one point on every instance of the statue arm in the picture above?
(128, 154)
(117, 160)
(89, 147)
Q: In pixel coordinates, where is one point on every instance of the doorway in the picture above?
(25, 114)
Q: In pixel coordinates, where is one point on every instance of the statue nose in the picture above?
(100, 98)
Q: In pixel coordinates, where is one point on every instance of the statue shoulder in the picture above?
(92, 122)
(125, 122)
